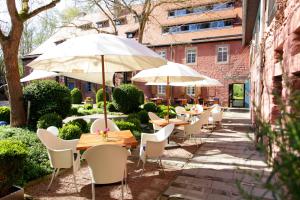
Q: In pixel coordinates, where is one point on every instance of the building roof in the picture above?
(153, 35)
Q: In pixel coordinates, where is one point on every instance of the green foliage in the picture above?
(47, 97)
(111, 107)
(126, 125)
(162, 111)
(81, 123)
(100, 104)
(141, 97)
(74, 112)
(12, 156)
(5, 114)
(36, 162)
(50, 119)
(127, 98)
(143, 116)
(99, 96)
(150, 107)
(69, 132)
(88, 106)
(76, 96)
(238, 91)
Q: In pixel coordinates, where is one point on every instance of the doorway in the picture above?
(237, 95)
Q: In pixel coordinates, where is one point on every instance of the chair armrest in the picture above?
(62, 158)
(70, 144)
(155, 148)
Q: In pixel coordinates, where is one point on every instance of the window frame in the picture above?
(186, 55)
(217, 54)
(159, 52)
(190, 88)
(161, 90)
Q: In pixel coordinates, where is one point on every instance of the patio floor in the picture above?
(209, 171)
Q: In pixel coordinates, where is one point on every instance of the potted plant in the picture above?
(12, 157)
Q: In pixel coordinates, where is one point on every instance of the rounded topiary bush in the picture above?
(150, 107)
(5, 114)
(73, 111)
(111, 107)
(88, 106)
(125, 125)
(81, 123)
(143, 116)
(99, 96)
(50, 119)
(47, 96)
(141, 97)
(76, 96)
(127, 98)
(162, 111)
(100, 104)
(12, 157)
(70, 132)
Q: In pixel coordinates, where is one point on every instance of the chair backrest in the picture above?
(216, 108)
(153, 116)
(50, 140)
(199, 107)
(179, 110)
(204, 117)
(194, 127)
(99, 124)
(164, 133)
(107, 163)
(217, 116)
(53, 129)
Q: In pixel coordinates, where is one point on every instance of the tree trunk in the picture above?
(12, 75)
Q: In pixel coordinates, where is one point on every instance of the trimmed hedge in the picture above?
(162, 111)
(70, 132)
(37, 162)
(100, 104)
(51, 119)
(5, 114)
(81, 123)
(127, 98)
(99, 96)
(12, 157)
(88, 106)
(150, 107)
(111, 107)
(143, 116)
(141, 97)
(76, 96)
(47, 96)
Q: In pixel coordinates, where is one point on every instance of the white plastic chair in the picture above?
(194, 128)
(61, 153)
(99, 124)
(180, 113)
(107, 164)
(53, 129)
(153, 145)
(199, 107)
(153, 116)
(216, 117)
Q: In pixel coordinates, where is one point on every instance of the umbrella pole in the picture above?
(168, 96)
(104, 91)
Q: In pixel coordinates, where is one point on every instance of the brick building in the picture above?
(272, 29)
(205, 35)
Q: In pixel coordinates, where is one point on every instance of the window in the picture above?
(222, 54)
(102, 24)
(163, 54)
(161, 89)
(191, 56)
(190, 91)
(130, 35)
(197, 26)
(120, 21)
(88, 86)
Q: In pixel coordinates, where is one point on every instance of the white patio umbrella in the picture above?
(38, 74)
(98, 53)
(170, 73)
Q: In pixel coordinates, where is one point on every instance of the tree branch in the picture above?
(40, 9)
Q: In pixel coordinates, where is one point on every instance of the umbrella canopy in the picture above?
(38, 74)
(90, 77)
(84, 54)
(174, 71)
(98, 53)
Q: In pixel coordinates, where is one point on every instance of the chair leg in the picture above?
(93, 191)
(74, 178)
(56, 174)
(143, 167)
(122, 189)
(138, 162)
(53, 176)
(162, 167)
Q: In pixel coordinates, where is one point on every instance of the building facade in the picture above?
(272, 30)
(205, 35)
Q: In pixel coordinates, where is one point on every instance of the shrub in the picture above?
(74, 111)
(126, 98)
(141, 97)
(51, 119)
(69, 132)
(88, 106)
(12, 156)
(125, 125)
(81, 123)
(5, 114)
(143, 116)
(99, 96)
(100, 104)
(76, 96)
(162, 111)
(37, 162)
(47, 97)
(150, 107)
(111, 107)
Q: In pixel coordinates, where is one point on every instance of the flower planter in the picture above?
(17, 193)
